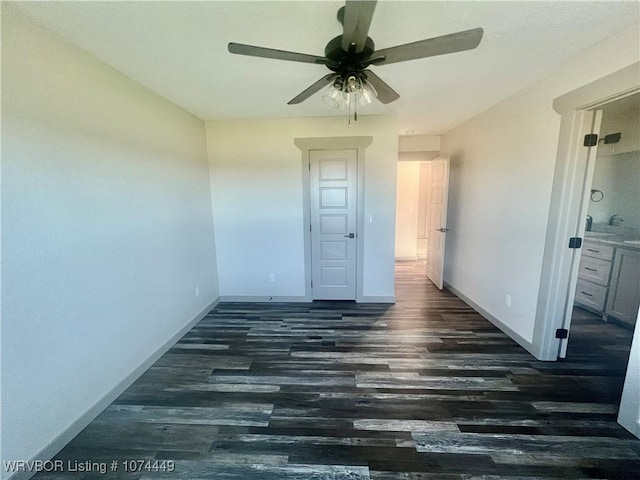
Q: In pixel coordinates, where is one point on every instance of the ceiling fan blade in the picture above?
(312, 89)
(386, 94)
(252, 51)
(357, 19)
(454, 42)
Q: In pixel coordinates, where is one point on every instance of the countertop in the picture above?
(613, 239)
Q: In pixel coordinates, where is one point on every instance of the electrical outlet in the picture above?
(197, 291)
(272, 278)
(507, 300)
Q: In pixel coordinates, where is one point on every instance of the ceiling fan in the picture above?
(349, 55)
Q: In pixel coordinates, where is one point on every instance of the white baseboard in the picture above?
(297, 299)
(406, 259)
(523, 342)
(58, 443)
(264, 299)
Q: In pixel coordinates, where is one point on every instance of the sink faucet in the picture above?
(615, 220)
(589, 223)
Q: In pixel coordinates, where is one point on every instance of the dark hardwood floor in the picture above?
(603, 345)
(423, 389)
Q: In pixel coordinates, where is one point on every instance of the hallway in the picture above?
(422, 389)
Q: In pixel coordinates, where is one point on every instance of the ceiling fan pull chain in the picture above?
(355, 107)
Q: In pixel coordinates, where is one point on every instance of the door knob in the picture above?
(443, 230)
(351, 235)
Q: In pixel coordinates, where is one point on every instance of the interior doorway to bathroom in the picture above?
(605, 306)
(608, 280)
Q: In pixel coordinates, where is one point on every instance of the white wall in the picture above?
(107, 230)
(407, 210)
(622, 116)
(258, 213)
(419, 143)
(502, 165)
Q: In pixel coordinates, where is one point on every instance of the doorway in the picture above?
(421, 211)
(603, 311)
(607, 284)
(580, 112)
(567, 213)
(411, 202)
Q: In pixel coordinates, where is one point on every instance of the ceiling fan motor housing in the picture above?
(343, 62)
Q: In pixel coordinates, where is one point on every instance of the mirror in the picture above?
(615, 190)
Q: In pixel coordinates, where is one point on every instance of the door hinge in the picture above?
(309, 164)
(590, 140)
(575, 242)
(562, 333)
(311, 283)
(309, 227)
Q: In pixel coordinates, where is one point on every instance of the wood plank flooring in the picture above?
(423, 389)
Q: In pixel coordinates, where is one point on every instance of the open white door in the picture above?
(437, 219)
(629, 413)
(592, 126)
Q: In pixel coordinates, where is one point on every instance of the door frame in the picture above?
(307, 144)
(577, 110)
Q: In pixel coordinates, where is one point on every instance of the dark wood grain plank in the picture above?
(423, 389)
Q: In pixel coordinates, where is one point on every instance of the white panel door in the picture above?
(437, 220)
(593, 126)
(333, 183)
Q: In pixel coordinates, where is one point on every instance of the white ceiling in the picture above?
(179, 50)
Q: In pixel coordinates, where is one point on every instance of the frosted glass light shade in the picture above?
(333, 96)
(367, 93)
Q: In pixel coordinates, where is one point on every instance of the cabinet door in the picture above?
(597, 250)
(594, 270)
(624, 291)
(591, 295)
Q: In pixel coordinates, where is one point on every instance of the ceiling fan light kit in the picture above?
(346, 92)
(349, 55)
